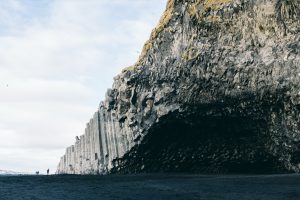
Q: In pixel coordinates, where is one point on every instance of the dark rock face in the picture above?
(216, 144)
(216, 90)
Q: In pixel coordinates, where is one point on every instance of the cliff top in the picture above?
(196, 9)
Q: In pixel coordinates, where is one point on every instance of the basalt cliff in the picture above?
(215, 90)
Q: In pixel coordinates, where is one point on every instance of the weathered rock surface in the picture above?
(216, 90)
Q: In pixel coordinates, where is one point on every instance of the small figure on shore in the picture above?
(37, 172)
(48, 171)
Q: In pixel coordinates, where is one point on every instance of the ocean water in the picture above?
(151, 186)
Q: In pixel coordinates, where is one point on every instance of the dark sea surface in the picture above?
(157, 186)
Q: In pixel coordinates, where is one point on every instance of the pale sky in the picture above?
(57, 59)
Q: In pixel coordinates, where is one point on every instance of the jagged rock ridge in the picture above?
(216, 90)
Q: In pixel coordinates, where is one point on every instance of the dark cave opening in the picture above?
(217, 145)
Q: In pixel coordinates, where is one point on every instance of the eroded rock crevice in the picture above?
(206, 142)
